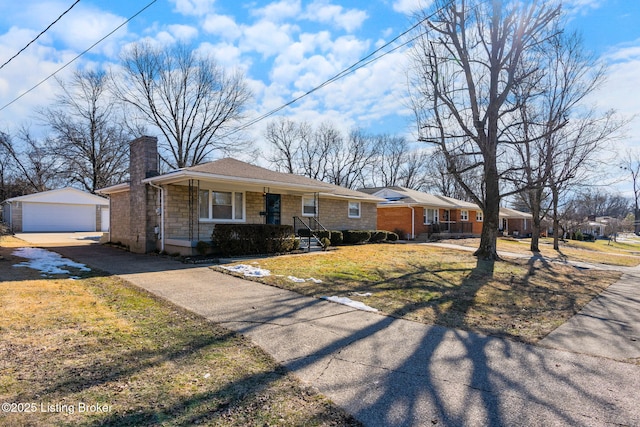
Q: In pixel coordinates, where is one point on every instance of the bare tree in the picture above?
(347, 160)
(34, 161)
(632, 165)
(285, 136)
(557, 138)
(468, 59)
(89, 135)
(189, 98)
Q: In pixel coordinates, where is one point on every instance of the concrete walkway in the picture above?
(609, 326)
(392, 372)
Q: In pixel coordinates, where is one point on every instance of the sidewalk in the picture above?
(388, 371)
(609, 326)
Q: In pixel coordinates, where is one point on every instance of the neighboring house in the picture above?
(65, 209)
(414, 213)
(515, 223)
(173, 211)
(418, 215)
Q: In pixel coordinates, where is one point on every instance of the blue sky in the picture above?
(284, 48)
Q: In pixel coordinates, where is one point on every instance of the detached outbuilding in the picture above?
(62, 210)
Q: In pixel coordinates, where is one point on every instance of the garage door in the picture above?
(58, 217)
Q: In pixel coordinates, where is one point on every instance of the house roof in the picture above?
(514, 214)
(234, 171)
(400, 195)
(395, 196)
(67, 195)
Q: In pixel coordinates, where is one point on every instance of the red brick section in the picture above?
(399, 218)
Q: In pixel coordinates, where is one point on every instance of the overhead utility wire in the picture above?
(38, 36)
(79, 55)
(354, 67)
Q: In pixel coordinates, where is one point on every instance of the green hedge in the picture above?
(354, 237)
(336, 238)
(392, 237)
(251, 239)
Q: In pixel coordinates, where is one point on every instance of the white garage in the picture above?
(63, 210)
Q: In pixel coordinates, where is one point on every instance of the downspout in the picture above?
(413, 223)
(161, 192)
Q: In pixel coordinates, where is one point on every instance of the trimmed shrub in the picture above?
(251, 239)
(354, 237)
(336, 238)
(392, 237)
(325, 242)
(377, 236)
(321, 234)
(202, 247)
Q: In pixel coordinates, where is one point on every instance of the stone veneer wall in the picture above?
(334, 215)
(119, 222)
(143, 198)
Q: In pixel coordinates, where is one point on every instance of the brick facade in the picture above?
(399, 219)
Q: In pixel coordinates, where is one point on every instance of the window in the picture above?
(221, 205)
(464, 215)
(354, 209)
(479, 216)
(309, 207)
(430, 216)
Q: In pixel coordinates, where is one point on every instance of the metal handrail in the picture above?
(312, 232)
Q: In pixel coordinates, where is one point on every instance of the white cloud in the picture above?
(85, 26)
(267, 38)
(324, 12)
(193, 7)
(411, 6)
(223, 26)
(184, 33)
(278, 11)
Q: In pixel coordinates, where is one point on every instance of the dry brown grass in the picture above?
(100, 340)
(600, 251)
(519, 299)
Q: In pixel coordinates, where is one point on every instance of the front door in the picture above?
(273, 208)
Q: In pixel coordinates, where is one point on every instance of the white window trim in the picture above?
(315, 204)
(430, 221)
(479, 216)
(464, 217)
(349, 209)
(233, 208)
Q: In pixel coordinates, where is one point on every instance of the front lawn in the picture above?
(519, 299)
(624, 254)
(98, 351)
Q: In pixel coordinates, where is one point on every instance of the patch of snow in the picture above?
(46, 261)
(350, 303)
(247, 270)
(299, 280)
(366, 294)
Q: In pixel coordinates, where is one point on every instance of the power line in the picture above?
(352, 68)
(79, 55)
(38, 36)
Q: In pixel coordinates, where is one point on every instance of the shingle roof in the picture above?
(245, 172)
